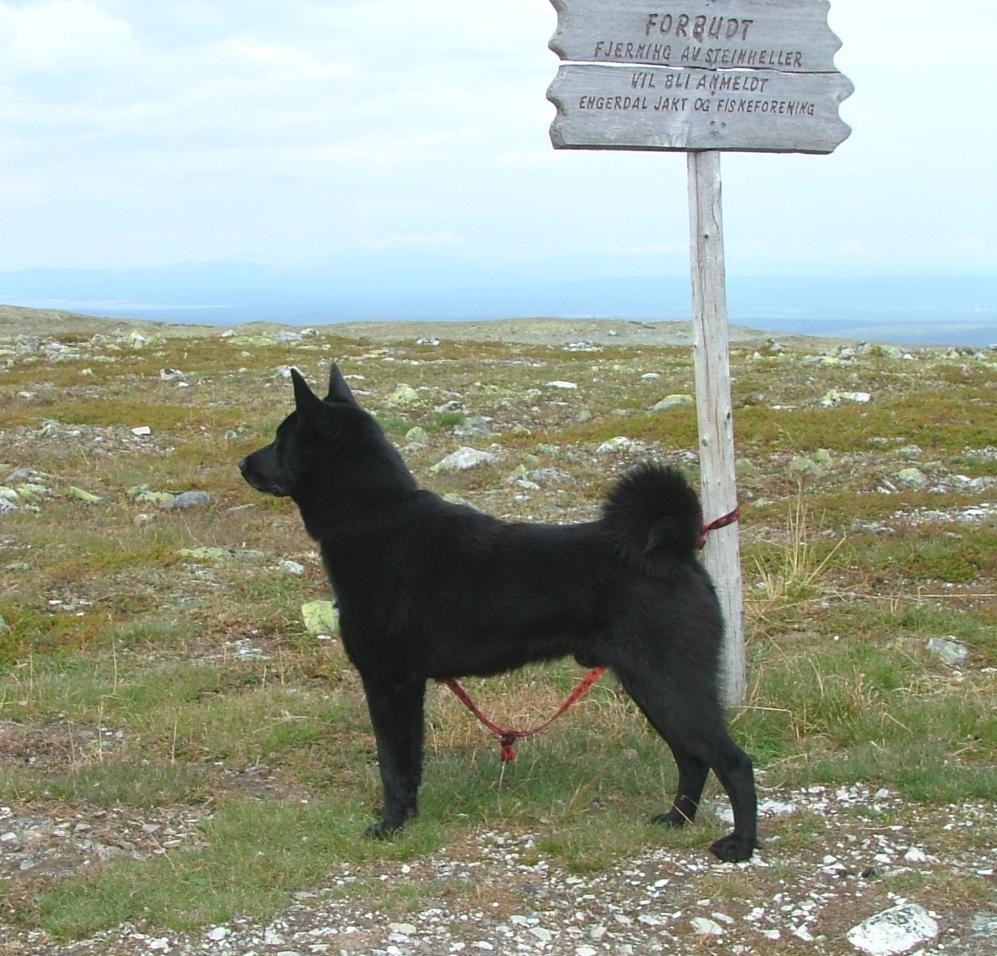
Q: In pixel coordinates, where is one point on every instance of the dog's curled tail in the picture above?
(652, 511)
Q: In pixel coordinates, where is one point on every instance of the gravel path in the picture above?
(497, 893)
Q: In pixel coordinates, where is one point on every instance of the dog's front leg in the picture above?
(396, 711)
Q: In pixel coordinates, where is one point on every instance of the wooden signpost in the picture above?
(702, 76)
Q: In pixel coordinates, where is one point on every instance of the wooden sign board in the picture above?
(752, 75)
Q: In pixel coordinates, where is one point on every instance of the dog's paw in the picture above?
(388, 826)
(733, 848)
(382, 830)
(673, 818)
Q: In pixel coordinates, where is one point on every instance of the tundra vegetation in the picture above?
(179, 747)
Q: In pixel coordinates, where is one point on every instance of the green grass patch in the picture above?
(255, 855)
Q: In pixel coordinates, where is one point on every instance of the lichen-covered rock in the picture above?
(402, 396)
(320, 617)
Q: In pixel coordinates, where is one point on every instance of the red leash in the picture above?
(507, 736)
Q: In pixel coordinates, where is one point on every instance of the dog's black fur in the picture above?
(428, 589)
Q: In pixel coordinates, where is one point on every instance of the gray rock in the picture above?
(834, 397)
(985, 924)
(416, 435)
(463, 459)
(673, 401)
(190, 499)
(948, 651)
(25, 474)
(475, 427)
(614, 445)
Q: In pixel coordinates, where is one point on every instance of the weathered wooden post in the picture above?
(749, 75)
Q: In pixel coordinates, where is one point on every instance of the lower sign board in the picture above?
(663, 108)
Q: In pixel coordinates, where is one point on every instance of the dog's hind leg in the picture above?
(695, 732)
(692, 777)
(396, 712)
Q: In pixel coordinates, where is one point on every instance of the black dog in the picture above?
(429, 589)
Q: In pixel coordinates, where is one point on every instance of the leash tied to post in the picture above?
(720, 522)
(508, 736)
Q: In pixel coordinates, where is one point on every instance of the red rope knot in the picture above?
(508, 742)
(720, 522)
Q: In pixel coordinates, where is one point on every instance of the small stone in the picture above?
(31, 491)
(834, 397)
(673, 401)
(142, 494)
(463, 459)
(220, 554)
(947, 650)
(474, 427)
(894, 931)
(801, 465)
(87, 497)
(141, 431)
(217, 934)
(567, 386)
(617, 444)
(706, 927)
(291, 567)
(402, 396)
(912, 477)
(190, 499)
(416, 436)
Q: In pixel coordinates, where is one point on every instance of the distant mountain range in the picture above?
(914, 310)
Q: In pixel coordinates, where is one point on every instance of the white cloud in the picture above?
(60, 37)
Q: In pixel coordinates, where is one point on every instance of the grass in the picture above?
(122, 685)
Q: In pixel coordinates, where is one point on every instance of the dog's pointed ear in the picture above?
(307, 403)
(339, 391)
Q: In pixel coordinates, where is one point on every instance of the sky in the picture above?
(137, 134)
